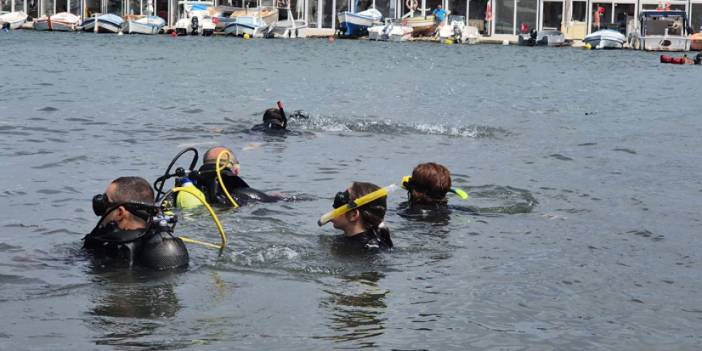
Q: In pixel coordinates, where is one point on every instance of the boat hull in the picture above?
(239, 29)
(357, 24)
(148, 26)
(664, 43)
(605, 39)
(61, 22)
(421, 26)
(105, 24)
(13, 20)
(287, 29)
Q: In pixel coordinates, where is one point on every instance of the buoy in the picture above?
(678, 61)
(174, 34)
(587, 46)
(247, 36)
(448, 41)
(666, 59)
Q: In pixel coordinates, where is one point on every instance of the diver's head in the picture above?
(429, 184)
(228, 159)
(127, 202)
(362, 218)
(273, 119)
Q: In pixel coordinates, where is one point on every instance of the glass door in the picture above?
(552, 15)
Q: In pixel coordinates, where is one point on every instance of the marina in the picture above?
(655, 26)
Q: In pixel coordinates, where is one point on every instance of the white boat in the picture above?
(392, 30)
(62, 22)
(145, 25)
(605, 39)
(356, 24)
(195, 18)
(107, 23)
(542, 38)
(457, 31)
(12, 20)
(661, 31)
(288, 28)
(252, 25)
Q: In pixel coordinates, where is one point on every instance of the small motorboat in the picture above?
(422, 26)
(605, 39)
(457, 31)
(661, 31)
(696, 42)
(253, 25)
(353, 25)
(12, 20)
(61, 22)
(107, 23)
(542, 38)
(195, 18)
(288, 28)
(392, 30)
(144, 25)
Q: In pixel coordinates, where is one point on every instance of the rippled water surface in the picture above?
(582, 231)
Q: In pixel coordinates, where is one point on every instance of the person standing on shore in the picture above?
(596, 18)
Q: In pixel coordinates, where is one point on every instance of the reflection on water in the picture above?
(355, 307)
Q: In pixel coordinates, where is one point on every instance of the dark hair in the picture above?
(430, 183)
(273, 118)
(133, 189)
(373, 212)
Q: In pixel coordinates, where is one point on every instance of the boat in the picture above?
(61, 22)
(457, 31)
(252, 21)
(195, 18)
(12, 20)
(392, 30)
(661, 31)
(696, 41)
(355, 25)
(144, 25)
(541, 38)
(107, 23)
(605, 39)
(422, 26)
(288, 28)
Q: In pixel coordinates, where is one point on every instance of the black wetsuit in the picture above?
(242, 193)
(368, 241)
(144, 247)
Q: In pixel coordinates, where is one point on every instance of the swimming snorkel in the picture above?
(407, 185)
(353, 204)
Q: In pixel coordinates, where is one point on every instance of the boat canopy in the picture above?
(664, 22)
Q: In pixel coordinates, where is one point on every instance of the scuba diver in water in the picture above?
(237, 192)
(130, 231)
(359, 212)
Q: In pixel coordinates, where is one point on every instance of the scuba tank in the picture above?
(187, 200)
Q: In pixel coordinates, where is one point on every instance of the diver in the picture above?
(131, 230)
(235, 188)
(427, 191)
(274, 121)
(359, 212)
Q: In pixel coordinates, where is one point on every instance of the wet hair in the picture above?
(211, 156)
(373, 212)
(274, 119)
(133, 189)
(430, 183)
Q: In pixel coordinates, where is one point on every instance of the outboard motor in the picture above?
(457, 34)
(698, 59)
(5, 27)
(194, 23)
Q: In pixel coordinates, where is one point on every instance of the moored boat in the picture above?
(605, 39)
(541, 38)
(144, 25)
(12, 20)
(106, 23)
(252, 25)
(457, 30)
(195, 18)
(422, 26)
(661, 31)
(62, 22)
(288, 28)
(392, 30)
(356, 24)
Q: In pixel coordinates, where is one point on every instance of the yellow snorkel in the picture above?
(458, 191)
(198, 195)
(218, 170)
(382, 192)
